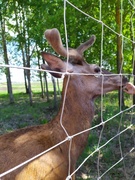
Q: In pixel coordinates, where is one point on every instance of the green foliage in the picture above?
(27, 20)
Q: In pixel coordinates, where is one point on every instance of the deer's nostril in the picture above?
(97, 70)
(125, 79)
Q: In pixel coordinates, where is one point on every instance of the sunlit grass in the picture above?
(20, 87)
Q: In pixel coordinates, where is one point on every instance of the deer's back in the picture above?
(21, 145)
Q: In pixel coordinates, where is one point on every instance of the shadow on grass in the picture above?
(21, 114)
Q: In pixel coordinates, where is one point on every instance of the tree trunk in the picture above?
(25, 71)
(59, 92)
(133, 49)
(46, 87)
(55, 92)
(119, 50)
(21, 35)
(29, 80)
(40, 74)
(41, 84)
(24, 46)
(7, 72)
(134, 71)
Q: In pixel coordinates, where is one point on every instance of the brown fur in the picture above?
(23, 144)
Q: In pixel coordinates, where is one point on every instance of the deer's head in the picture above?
(89, 77)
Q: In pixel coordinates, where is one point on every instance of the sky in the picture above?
(16, 75)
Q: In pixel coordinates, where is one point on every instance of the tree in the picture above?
(5, 52)
(119, 47)
(29, 19)
(132, 19)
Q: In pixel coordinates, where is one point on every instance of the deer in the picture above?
(82, 83)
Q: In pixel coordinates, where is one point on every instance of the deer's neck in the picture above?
(77, 113)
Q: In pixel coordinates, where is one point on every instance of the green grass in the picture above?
(111, 152)
(21, 114)
(20, 87)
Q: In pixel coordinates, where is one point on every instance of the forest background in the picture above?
(22, 35)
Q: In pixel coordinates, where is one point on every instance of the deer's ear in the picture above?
(54, 64)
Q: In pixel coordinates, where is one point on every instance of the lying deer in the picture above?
(75, 116)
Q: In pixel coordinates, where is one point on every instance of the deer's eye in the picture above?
(97, 69)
